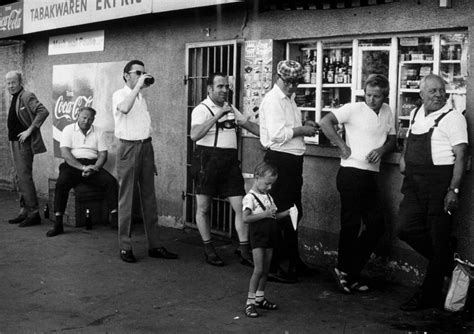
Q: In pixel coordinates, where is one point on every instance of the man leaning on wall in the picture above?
(25, 117)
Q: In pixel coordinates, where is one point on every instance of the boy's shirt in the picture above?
(249, 202)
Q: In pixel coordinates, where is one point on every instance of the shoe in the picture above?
(162, 253)
(127, 256)
(417, 303)
(30, 221)
(250, 311)
(57, 229)
(17, 219)
(359, 287)
(341, 280)
(266, 305)
(214, 259)
(281, 277)
(245, 260)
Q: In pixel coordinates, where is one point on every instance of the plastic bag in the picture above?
(463, 276)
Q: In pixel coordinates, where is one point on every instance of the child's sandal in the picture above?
(267, 305)
(251, 311)
(360, 287)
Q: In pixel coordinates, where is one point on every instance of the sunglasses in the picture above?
(137, 72)
(291, 82)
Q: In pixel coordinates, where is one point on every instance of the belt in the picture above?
(141, 141)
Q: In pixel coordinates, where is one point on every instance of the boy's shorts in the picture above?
(216, 172)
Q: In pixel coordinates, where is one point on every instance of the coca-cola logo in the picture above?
(69, 109)
(12, 21)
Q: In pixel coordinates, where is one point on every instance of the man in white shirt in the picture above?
(370, 133)
(433, 161)
(84, 150)
(136, 161)
(282, 134)
(216, 168)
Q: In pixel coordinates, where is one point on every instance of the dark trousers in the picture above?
(286, 192)
(69, 177)
(362, 222)
(425, 225)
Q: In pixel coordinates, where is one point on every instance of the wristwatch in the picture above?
(454, 190)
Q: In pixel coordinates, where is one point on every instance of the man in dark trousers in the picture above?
(84, 150)
(433, 162)
(25, 117)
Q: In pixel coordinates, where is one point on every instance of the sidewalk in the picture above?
(76, 283)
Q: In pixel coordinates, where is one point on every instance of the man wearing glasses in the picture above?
(135, 161)
(282, 134)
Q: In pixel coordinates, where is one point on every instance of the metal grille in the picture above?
(202, 59)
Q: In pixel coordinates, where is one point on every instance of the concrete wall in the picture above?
(159, 40)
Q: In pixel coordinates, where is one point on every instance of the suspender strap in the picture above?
(260, 202)
(436, 120)
(217, 129)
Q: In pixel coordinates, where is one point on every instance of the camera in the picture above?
(149, 81)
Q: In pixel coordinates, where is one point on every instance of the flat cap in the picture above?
(290, 70)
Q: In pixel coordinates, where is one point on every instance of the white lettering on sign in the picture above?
(12, 21)
(75, 43)
(68, 109)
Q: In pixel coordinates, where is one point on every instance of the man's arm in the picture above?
(451, 200)
(37, 109)
(327, 124)
(198, 131)
(402, 165)
(375, 155)
(70, 159)
(127, 103)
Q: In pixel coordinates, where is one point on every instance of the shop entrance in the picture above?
(202, 59)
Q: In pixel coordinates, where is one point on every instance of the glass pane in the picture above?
(337, 65)
(375, 42)
(416, 48)
(374, 62)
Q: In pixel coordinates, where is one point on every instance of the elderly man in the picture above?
(282, 134)
(214, 129)
(433, 162)
(25, 117)
(85, 152)
(370, 133)
(136, 161)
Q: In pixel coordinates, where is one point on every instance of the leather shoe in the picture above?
(17, 219)
(245, 260)
(281, 277)
(30, 221)
(161, 252)
(418, 302)
(127, 256)
(214, 259)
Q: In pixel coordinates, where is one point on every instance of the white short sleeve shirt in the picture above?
(83, 146)
(365, 130)
(249, 202)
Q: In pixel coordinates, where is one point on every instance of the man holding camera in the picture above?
(135, 161)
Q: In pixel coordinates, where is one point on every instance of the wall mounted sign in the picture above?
(11, 20)
(91, 41)
(169, 5)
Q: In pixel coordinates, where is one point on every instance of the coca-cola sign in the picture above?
(11, 20)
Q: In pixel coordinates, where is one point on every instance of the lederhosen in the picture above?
(210, 163)
(263, 233)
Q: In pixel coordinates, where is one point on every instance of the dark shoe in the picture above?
(266, 305)
(417, 302)
(57, 229)
(341, 280)
(161, 253)
(250, 311)
(17, 219)
(214, 259)
(30, 221)
(127, 256)
(245, 259)
(281, 277)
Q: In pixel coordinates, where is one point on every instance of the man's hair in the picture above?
(210, 79)
(265, 167)
(378, 80)
(18, 74)
(129, 65)
(430, 76)
(92, 110)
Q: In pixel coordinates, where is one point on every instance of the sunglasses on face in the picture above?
(137, 72)
(293, 83)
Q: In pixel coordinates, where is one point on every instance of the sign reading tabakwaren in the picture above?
(11, 20)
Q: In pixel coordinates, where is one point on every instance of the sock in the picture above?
(244, 249)
(251, 298)
(209, 247)
(259, 296)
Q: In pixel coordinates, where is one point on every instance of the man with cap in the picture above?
(433, 162)
(216, 166)
(370, 133)
(282, 134)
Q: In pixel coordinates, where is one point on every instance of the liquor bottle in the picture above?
(46, 211)
(325, 69)
(307, 73)
(88, 220)
(330, 75)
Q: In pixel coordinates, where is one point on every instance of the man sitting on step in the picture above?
(85, 152)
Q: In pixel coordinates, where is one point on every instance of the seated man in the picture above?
(85, 153)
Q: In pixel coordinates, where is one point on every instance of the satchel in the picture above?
(460, 286)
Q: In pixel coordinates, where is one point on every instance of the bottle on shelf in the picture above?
(330, 73)
(325, 69)
(88, 220)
